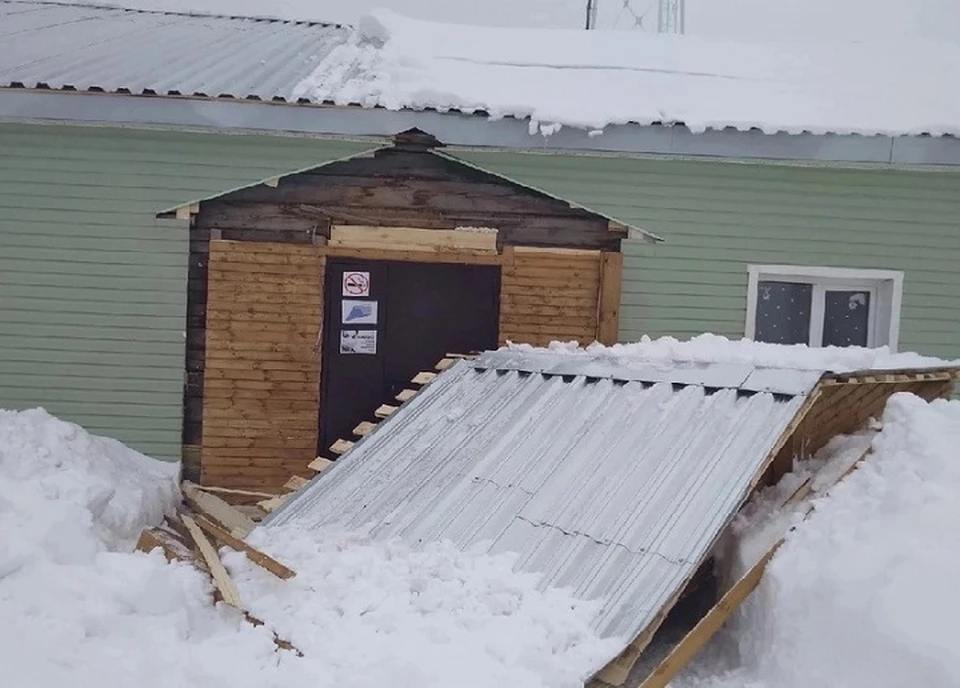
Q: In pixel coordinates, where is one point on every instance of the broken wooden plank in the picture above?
(385, 411)
(320, 464)
(256, 556)
(230, 518)
(364, 428)
(274, 503)
(406, 395)
(234, 491)
(341, 447)
(221, 578)
(424, 378)
(277, 640)
(173, 549)
(295, 483)
(708, 626)
(251, 511)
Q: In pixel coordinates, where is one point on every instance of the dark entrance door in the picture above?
(386, 321)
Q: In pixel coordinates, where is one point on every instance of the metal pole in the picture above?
(591, 22)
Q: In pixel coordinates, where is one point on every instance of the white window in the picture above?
(790, 304)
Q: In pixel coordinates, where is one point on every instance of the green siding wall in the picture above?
(717, 217)
(92, 286)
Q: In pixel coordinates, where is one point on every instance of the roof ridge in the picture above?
(92, 4)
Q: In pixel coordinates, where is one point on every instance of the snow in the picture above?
(714, 349)
(863, 593)
(79, 608)
(594, 79)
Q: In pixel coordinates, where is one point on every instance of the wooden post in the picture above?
(608, 307)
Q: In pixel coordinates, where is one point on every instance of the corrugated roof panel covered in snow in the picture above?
(614, 488)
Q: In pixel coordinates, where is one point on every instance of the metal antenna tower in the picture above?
(591, 22)
(672, 17)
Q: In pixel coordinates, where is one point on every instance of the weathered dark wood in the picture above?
(196, 336)
(257, 232)
(403, 187)
(446, 196)
(416, 139)
(515, 229)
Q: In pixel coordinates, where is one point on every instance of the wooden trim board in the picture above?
(413, 239)
(608, 308)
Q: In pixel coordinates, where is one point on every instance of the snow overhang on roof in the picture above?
(540, 89)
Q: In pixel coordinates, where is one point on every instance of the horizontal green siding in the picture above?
(717, 217)
(92, 286)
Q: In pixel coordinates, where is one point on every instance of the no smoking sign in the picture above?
(356, 284)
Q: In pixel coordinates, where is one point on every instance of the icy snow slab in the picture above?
(593, 79)
(611, 489)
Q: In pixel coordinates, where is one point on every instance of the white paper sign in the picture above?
(356, 283)
(358, 341)
(358, 312)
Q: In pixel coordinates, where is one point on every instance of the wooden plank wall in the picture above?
(262, 370)
(550, 294)
(843, 408)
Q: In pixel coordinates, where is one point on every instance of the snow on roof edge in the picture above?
(709, 348)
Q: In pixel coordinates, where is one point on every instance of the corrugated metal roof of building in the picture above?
(598, 480)
(115, 50)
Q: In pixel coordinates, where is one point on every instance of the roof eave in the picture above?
(464, 131)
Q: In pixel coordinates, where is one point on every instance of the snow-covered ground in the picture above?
(80, 609)
(863, 593)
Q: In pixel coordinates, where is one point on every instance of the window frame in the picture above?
(886, 296)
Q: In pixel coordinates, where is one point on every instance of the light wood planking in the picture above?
(262, 376)
(413, 239)
(550, 294)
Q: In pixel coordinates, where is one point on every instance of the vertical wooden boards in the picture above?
(611, 278)
(844, 407)
(262, 373)
(550, 294)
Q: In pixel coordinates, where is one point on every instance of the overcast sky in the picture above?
(738, 19)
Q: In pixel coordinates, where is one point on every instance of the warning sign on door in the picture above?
(356, 283)
(358, 312)
(358, 342)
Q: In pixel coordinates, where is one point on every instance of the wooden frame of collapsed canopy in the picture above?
(839, 404)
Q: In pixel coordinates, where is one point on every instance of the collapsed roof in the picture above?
(612, 480)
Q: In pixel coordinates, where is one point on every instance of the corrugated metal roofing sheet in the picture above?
(84, 48)
(614, 488)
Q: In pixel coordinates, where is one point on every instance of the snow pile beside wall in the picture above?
(864, 593)
(711, 348)
(76, 493)
(80, 609)
(592, 79)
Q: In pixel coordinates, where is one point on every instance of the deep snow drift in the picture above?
(80, 609)
(863, 593)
